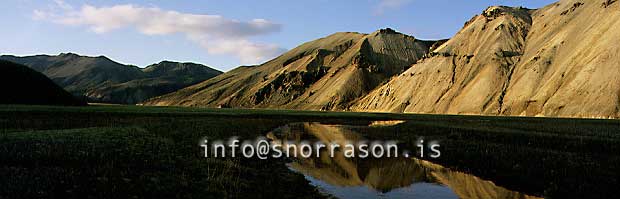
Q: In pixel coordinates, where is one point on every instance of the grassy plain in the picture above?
(153, 152)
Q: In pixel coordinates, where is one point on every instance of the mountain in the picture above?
(465, 75)
(561, 60)
(324, 74)
(22, 85)
(100, 79)
(157, 79)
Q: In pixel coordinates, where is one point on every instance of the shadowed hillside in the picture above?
(100, 79)
(22, 85)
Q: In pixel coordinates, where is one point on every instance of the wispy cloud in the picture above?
(385, 5)
(217, 34)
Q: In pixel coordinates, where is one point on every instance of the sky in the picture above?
(222, 34)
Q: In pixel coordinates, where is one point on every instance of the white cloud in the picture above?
(389, 4)
(248, 52)
(219, 35)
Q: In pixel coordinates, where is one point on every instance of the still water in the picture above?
(400, 177)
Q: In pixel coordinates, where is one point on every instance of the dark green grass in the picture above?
(66, 154)
(153, 152)
(555, 158)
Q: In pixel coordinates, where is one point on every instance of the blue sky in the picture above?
(222, 34)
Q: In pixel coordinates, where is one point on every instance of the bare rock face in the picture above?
(562, 60)
(325, 74)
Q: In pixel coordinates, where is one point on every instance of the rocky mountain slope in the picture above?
(22, 85)
(562, 60)
(100, 79)
(325, 74)
(465, 75)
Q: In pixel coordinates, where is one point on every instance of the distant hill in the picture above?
(100, 79)
(325, 74)
(22, 85)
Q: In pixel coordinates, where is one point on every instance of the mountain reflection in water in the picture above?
(379, 177)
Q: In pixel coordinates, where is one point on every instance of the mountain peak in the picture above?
(167, 62)
(68, 54)
(496, 11)
(387, 31)
(173, 64)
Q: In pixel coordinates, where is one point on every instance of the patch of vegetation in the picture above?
(153, 152)
(550, 157)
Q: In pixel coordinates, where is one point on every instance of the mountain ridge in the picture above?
(504, 61)
(100, 79)
(560, 60)
(313, 75)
